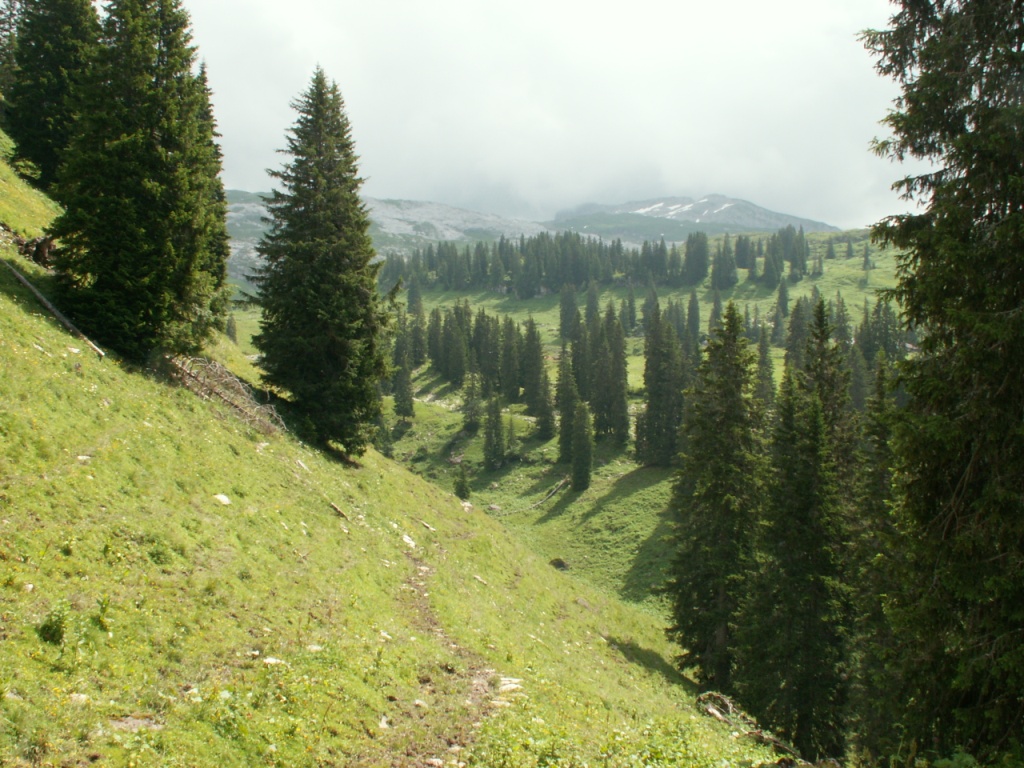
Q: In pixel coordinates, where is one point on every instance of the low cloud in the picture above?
(529, 108)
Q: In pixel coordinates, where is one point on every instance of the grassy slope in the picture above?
(146, 623)
(612, 535)
(22, 208)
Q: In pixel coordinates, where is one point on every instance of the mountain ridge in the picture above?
(403, 226)
(714, 211)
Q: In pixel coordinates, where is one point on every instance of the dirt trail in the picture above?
(455, 696)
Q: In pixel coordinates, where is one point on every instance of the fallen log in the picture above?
(54, 311)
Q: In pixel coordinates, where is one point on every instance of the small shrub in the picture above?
(103, 607)
(51, 629)
(159, 554)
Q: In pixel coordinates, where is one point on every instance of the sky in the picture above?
(529, 107)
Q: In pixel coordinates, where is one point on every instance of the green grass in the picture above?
(142, 619)
(611, 536)
(23, 209)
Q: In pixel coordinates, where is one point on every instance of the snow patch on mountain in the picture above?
(711, 209)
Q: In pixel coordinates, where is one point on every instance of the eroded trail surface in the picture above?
(455, 696)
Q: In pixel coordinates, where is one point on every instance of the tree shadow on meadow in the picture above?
(618, 495)
(652, 562)
(652, 661)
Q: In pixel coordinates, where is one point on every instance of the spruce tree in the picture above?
(593, 306)
(401, 380)
(782, 302)
(959, 446)
(715, 503)
(764, 387)
(876, 680)
(494, 436)
(434, 341)
(10, 14)
(532, 367)
(797, 334)
(143, 239)
(657, 428)
(771, 276)
(696, 260)
(693, 322)
(509, 363)
(56, 41)
(418, 339)
(461, 487)
(472, 405)
(582, 359)
(582, 448)
(715, 317)
(545, 409)
(454, 355)
(321, 335)
(567, 310)
(723, 268)
(859, 379)
(790, 656)
(611, 392)
(630, 320)
(566, 399)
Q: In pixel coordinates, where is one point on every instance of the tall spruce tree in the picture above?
(401, 379)
(10, 13)
(582, 447)
(472, 405)
(876, 681)
(959, 447)
(509, 362)
(546, 409)
(764, 387)
(593, 305)
(657, 428)
(791, 657)
(56, 40)
(321, 335)
(697, 258)
(532, 368)
(609, 391)
(582, 359)
(566, 397)
(715, 502)
(566, 310)
(143, 237)
(693, 323)
(494, 436)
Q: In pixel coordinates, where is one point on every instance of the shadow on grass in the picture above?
(652, 661)
(434, 385)
(547, 480)
(631, 483)
(650, 568)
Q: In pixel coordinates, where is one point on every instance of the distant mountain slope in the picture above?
(402, 226)
(675, 217)
(396, 226)
(433, 221)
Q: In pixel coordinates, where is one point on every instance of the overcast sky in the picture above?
(528, 107)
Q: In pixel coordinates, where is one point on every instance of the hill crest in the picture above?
(713, 212)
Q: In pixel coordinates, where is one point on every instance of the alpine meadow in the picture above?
(318, 477)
